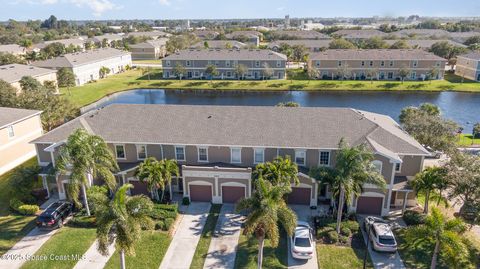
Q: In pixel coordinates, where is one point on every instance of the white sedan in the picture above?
(302, 243)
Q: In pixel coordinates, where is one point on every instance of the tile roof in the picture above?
(252, 126)
(11, 115)
(81, 58)
(14, 72)
(375, 54)
(226, 54)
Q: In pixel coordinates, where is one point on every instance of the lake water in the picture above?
(462, 107)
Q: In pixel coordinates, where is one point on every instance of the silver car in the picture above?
(302, 243)
(382, 238)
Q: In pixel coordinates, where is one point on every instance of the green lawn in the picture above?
(338, 257)
(12, 226)
(273, 258)
(147, 62)
(66, 242)
(133, 79)
(149, 252)
(204, 243)
(467, 140)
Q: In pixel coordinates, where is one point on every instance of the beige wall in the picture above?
(411, 166)
(41, 79)
(17, 149)
(467, 68)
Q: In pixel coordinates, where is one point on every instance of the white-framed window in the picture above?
(371, 63)
(317, 63)
(141, 152)
(180, 153)
(398, 167)
(257, 63)
(202, 154)
(217, 63)
(120, 151)
(300, 157)
(413, 75)
(258, 155)
(10, 131)
(363, 63)
(229, 73)
(382, 63)
(391, 64)
(437, 64)
(167, 62)
(378, 165)
(227, 63)
(324, 159)
(235, 155)
(188, 63)
(339, 63)
(414, 63)
(279, 63)
(196, 74)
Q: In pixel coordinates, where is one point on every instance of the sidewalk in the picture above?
(93, 259)
(182, 248)
(223, 247)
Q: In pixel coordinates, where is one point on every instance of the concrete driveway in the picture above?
(381, 260)
(223, 247)
(305, 214)
(182, 248)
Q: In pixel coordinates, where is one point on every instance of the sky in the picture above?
(224, 9)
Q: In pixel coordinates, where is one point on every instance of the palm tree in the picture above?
(125, 216)
(280, 172)
(157, 174)
(429, 181)
(445, 233)
(86, 156)
(266, 209)
(353, 169)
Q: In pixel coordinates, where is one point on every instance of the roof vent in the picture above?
(209, 117)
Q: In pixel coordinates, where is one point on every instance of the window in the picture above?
(391, 63)
(258, 155)
(324, 158)
(120, 151)
(180, 153)
(363, 63)
(317, 63)
(414, 63)
(227, 63)
(339, 63)
(398, 167)
(141, 152)
(382, 75)
(229, 73)
(11, 132)
(203, 154)
(167, 62)
(257, 63)
(377, 165)
(196, 74)
(235, 155)
(390, 75)
(300, 156)
(167, 74)
(188, 63)
(382, 63)
(371, 63)
(437, 64)
(413, 75)
(279, 63)
(216, 63)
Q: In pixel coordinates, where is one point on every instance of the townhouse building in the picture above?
(299, 34)
(424, 44)
(75, 42)
(86, 65)
(310, 44)
(13, 49)
(13, 73)
(149, 50)
(219, 44)
(356, 35)
(217, 147)
(225, 61)
(17, 128)
(468, 66)
(387, 63)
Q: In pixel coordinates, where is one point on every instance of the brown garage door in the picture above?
(139, 188)
(232, 194)
(369, 205)
(200, 193)
(299, 196)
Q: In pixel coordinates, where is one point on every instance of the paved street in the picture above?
(182, 248)
(222, 250)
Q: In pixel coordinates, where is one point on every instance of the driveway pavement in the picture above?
(93, 258)
(25, 248)
(303, 213)
(223, 247)
(381, 260)
(182, 248)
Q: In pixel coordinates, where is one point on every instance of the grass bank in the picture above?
(149, 252)
(204, 243)
(273, 258)
(133, 79)
(467, 140)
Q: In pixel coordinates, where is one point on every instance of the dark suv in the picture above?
(54, 215)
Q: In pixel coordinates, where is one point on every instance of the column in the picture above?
(404, 202)
(45, 184)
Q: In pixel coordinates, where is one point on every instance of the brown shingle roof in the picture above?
(257, 126)
(11, 115)
(375, 54)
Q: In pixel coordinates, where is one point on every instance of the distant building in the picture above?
(219, 44)
(354, 63)
(462, 36)
(86, 65)
(206, 34)
(311, 44)
(13, 73)
(299, 34)
(251, 37)
(151, 34)
(468, 66)
(17, 128)
(424, 44)
(109, 38)
(149, 50)
(359, 34)
(423, 33)
(287, 21)
(225, 61)
(76, 42)
(13, 49)
(310, 25)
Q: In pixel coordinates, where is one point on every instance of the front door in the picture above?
(393, 198)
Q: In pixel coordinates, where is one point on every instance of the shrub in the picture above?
(185, 201)
(15, 204)
(343, 239)
(28, 209)
(168, 223)
(96, 195)
(352, 225)
(161, 212)
(332, 237)
(23, 181)
(345, 231)
(82, 221)
(159, 225)
(413, 217)
(172, 207)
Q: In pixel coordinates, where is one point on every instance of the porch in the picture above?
(403, 195)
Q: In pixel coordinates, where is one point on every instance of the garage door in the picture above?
(369, 205)
(232, 194)
(139, 188)
(299, 196)
(200, 193)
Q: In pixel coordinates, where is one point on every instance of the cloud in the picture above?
(97, 6)
(164, 2)
(280, 8)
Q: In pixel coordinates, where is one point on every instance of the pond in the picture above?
(462, 107)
